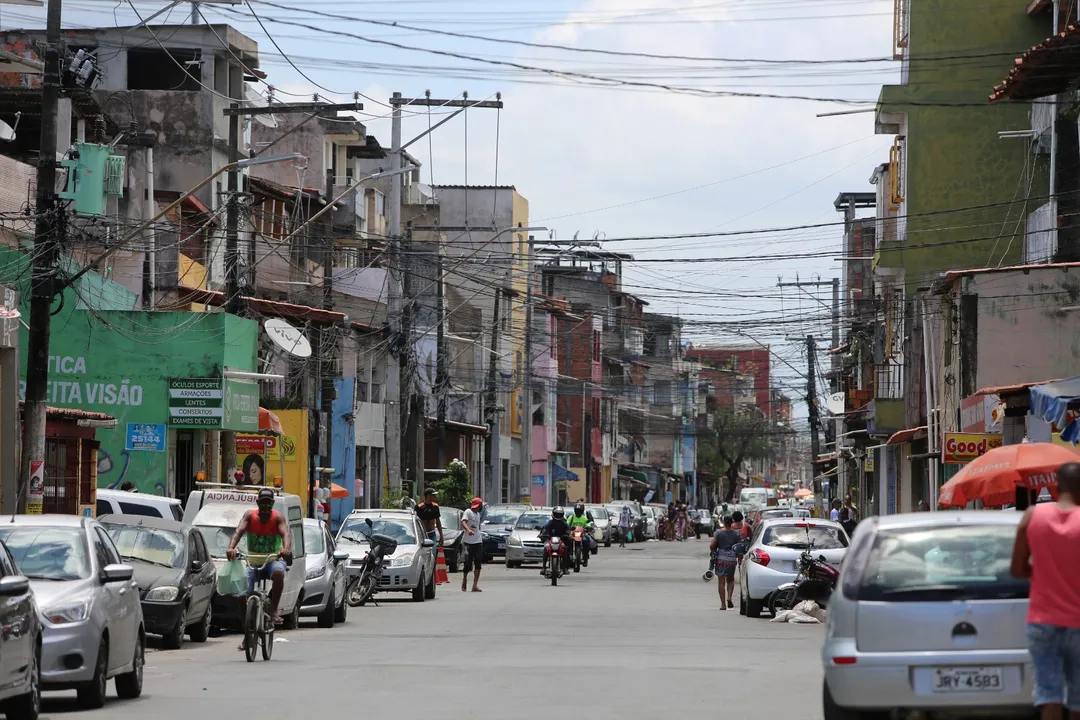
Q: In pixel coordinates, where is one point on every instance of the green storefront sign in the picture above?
(214, 403)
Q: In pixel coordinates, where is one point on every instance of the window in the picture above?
(192, 549)
(7, 564)
(200, 545)
(296, 528)
(104, 550)
(380, 203)
(103, 508)
(553, 339)
(134, 509)
(596, 345)
(154, 69)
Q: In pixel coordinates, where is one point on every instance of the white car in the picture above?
(928, 617)
(91, 613)
(412, 566)
(772, 556)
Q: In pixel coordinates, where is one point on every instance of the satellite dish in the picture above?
(288, 338)
(255, 98)
(7, 132)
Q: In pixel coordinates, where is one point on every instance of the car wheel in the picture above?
(742, 603)
(292, 620)
(174, 639)
(129, 685)
(512, 564)
(92, 694)
(201, 630)
(325, 619)
(341, 612)
(418, 594)
(429, 589)
(754, 607)
(607, 543)
(27, 706)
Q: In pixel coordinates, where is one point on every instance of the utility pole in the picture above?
(527, 390)
(442, 375)
(812, 408)
(328, 352)
(491, 402)
(48, 231)
(394, 445)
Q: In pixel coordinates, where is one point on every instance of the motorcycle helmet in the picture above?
(558, 513)
(579, 509)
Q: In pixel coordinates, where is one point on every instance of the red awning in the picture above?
(906, 436)
(1011, 389)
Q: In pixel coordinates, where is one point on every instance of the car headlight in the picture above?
(513, 541)
(69, 612)
(165, 593)
(403, 560)
(315, 572)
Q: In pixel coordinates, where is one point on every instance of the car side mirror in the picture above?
(368, 521)
(14, 585)
(428, 542)
(196, 565)
(117, 573)
(821, 558)
(340, 556)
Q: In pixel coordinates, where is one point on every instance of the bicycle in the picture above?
(258, 624)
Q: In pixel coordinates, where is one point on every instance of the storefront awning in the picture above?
(467, 428)
(1051, 402)
(1002, 390)
(561, 474)
(906, 436)
(633, 475)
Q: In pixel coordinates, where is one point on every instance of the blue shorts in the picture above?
(264, 573)
(1055, 653)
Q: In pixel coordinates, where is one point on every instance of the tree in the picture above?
(455, 486)
(736, 437)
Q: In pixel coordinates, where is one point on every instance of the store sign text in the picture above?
(73, 392)
(962, 448)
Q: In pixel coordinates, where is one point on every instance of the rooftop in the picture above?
(1046, 69)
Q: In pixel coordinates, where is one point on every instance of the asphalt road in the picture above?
(637, 635)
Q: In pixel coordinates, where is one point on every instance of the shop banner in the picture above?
(35, 498)
(214, 403)
(148, 437)
(962, 448)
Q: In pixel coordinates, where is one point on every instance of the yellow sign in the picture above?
(962, 448)
(868, 461)
(285, 456)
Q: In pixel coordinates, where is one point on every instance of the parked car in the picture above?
(93, 621)
(20, 664)
(412, 566)
(703, 523)
(497, 526)
(122, 502)
(772, 556)
(605, 524)
(524, 544)
(324, 584)
(452, 535)
(653, 515)
(927, 616)
(174, 572)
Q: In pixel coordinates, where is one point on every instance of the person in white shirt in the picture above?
(834, 514)
(473, 541)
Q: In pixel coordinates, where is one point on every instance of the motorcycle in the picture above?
(554, 558)
(580, 547)
(361, 587)
(816, 581)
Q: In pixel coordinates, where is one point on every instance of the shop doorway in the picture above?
(185, 464)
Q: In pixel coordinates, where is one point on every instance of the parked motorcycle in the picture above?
(361, 587)
(555, 558)
(816, 581)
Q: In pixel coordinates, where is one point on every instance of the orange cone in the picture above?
(441, 576)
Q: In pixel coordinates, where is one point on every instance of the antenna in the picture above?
(7, 132)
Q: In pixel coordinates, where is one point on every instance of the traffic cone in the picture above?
(441, 576)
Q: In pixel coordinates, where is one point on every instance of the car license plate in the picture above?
(967, 679)
(534, 553)
(500, 543)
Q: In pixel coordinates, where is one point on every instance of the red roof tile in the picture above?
(1046, 69)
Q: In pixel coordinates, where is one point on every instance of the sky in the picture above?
(617, 162)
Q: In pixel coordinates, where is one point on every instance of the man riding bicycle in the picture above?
(269, 547)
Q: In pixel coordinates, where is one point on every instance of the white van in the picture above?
(216, 510)
(122, 502)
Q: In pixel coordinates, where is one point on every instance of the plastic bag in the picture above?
(232, 578)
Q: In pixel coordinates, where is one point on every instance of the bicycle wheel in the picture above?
(251, 627)
(268, 642)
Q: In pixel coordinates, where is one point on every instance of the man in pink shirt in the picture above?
(1045, 551)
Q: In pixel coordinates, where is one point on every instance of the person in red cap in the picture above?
(474, 543)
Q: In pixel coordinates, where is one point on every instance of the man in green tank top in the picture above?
(269, 543)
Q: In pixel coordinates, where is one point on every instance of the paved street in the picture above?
(636, 635)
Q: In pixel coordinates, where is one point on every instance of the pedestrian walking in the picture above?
(473, 543)
(680, 522)
(850, 505)
(669, 529)
(431, 517)
(834, 514)
(847, 521)
(1045, 552)
(725, 561)
(624, 525)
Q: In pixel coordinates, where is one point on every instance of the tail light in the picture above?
(760, 557)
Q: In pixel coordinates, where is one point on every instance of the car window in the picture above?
(355, 530)
(112, 557)
(329, 540)
(192, 550)
(137, 509)
(7, 563)
(297, 529)
(314, 541)
(178, 514)
(151, 545)
(200, 543)
(103, 508)
(949, 563)
(46, 553)
(803, 536)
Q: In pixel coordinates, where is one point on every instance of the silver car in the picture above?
(20, 656)
(324, 584)
(89, 601)
(524, 544)
(412, 566)
(928, 617)
(605, 524)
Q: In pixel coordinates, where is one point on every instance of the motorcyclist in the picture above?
(555, 527)
(583, 520)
